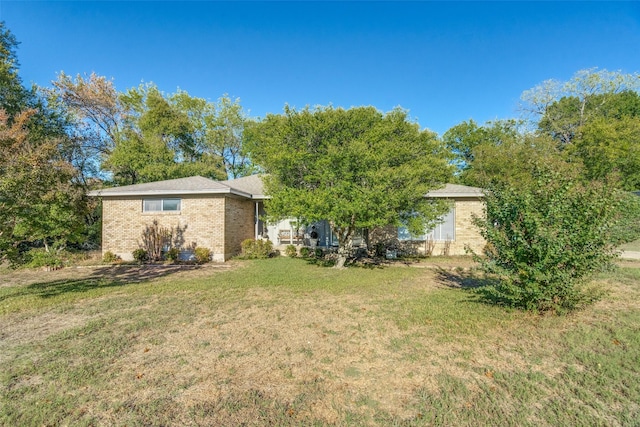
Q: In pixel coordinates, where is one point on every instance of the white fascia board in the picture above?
(159, 193)
(452, 195)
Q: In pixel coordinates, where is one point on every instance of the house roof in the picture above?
(191, 185)
(456, 190)
(250, 187)
(251, 184)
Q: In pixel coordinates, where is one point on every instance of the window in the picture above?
(161, 205)
(443, 231)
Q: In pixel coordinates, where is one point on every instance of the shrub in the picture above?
(291, 251)
(203, 255)
(545, 239)
(139, 255)
(305, 252)
(627, 228)
(42, 258)
(256, 249)
(155, 239)
(110, 257)
(319, 253)
(172, 254)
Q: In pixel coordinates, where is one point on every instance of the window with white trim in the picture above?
(445, 230)
(161, 205)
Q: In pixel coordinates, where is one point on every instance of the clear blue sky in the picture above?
(444, 62)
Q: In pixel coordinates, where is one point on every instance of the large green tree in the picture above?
(41, 200)
(159, 140)
(559, 108)
(593, 118)
(469, 142)
(354, 168)
(607, 146)
(218, 130)
(13, 96)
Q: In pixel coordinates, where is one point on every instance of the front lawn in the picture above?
(283, 342)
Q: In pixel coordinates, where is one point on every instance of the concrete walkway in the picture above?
(630, 255)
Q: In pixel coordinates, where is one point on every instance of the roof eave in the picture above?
(453, 195)
(157, 193)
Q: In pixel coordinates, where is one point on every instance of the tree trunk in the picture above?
(343, 254)
(344, 243)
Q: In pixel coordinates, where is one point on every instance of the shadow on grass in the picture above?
(103, 277)
(484, 290)
(320, 262)
(461, 279)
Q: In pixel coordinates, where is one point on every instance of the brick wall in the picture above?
(201, 222)
(465, 232)
(239, 224)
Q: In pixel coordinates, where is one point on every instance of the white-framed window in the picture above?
(445, 230)
(161, 205)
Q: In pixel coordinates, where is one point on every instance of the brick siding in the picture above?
(216, 222)
(466, 234)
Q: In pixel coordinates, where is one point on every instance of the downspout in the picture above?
(256, 221)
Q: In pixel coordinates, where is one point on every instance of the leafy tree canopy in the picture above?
(159, 140)
(467, 140)
(354, 168)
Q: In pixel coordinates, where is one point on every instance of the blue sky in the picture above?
(444, 62)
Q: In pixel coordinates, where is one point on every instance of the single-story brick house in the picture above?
(219, 215)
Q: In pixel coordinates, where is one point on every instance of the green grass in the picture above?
(282, 342)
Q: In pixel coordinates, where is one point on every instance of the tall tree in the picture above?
(561, 108)
(219, 129)
(95, 116)
(40, 198)
(159, 140)
(467, 139)
(593, 118)
(13, 96)
(354, 168)
(608, 146)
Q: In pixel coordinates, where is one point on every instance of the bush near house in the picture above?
(291, 251)
(173, 254)
(109, 257)
(203, 255)
(256, 249)
(305, 252)
(546, 238)
(154, 239)
(139, 255)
